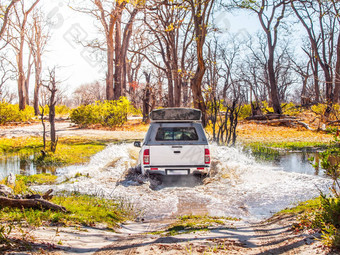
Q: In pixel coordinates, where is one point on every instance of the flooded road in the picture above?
(239, 187)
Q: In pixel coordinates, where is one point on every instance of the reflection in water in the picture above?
(298, 162)
(23, 165)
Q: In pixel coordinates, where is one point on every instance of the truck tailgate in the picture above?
(177, 155)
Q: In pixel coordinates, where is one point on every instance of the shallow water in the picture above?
(240, 187)
(299, 162)
(21, 164)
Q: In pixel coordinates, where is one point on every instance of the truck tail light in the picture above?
(146, 157)
(207, 156)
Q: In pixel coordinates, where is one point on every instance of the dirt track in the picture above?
(269, 237)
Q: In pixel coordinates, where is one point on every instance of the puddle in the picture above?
(22, 164)
(299, 162)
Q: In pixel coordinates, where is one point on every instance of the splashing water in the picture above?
(240, 187)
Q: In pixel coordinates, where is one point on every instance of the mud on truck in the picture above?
(175, 144)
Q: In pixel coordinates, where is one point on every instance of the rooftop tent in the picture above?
(176, 114)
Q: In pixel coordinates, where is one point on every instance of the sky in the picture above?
(77, 65)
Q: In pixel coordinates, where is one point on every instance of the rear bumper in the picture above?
(177, 170)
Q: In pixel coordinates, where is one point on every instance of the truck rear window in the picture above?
(176, 134)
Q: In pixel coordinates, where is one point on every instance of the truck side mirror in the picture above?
(137, 144)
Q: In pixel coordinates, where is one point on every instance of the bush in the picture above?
(245, 111)
(11, 113)
(290, 109)
(60, 110)
(327, 217)
(320, 109)
(107, 113)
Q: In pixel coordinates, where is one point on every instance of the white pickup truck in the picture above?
(175, 144)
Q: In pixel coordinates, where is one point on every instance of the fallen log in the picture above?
(30, 203)
(270, 117)
(333, 122)
(285, 122)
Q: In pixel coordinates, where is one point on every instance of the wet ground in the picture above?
(239, 186)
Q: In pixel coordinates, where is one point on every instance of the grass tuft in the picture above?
(193, 223)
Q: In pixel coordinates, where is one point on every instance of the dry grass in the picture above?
(249, 133)
(130, 125)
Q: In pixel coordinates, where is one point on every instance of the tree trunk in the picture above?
(171, 102)
(37, 85)
(273, 85)
(185, 87)
(315, 65)
(30, 203)
(53, 90)
(21, 78)
(146, 98)
(196, 81)
(118, 60)
(337, 73)
(177, 87)
(109, 75)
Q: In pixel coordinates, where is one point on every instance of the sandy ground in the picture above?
(272, 236)
(65, 128)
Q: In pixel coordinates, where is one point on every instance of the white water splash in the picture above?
(241, 188)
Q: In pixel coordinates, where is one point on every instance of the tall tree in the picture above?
(37, 37)
(336, 13)
(320, 25)
(201, 12)
(17, 38)
(270, 15)
(5, 13)
(111, 14)
(169, 26)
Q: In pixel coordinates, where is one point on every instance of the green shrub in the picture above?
(245, 111)
(290, 109)
(11, 113)
(60, 110)
(107, 113)
(327, 216)
(320, 109)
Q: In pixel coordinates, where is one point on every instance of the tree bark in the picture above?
(109, 74)
(337, 73)
(146, 98)
(200, 14)
(37, 64)
(273, 84)
(315, 66)
(21, 72)
(118, 63)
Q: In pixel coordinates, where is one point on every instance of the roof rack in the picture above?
(175, 115)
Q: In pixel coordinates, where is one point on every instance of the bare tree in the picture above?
(169, 44)
(200, 12)
(319, 23)
(270, 15)
(37, 37)
(16, 38)
(89, 93)
(52, 87)
(5, 13)
(110, 14)
(7, 73)
(336, 13)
